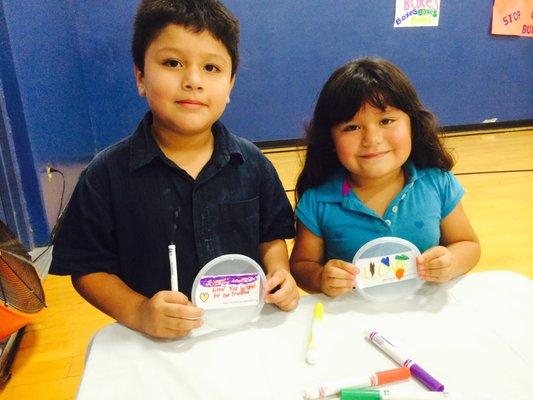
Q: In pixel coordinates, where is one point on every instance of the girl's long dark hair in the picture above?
(380, 84)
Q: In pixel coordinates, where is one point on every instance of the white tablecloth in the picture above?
(474, 334)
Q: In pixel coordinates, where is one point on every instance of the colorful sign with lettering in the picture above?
(223, 291)
(410, 13)
(512, 17)
(386, 269)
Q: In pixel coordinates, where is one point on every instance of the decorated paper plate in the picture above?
(230, 290)
(387, 269)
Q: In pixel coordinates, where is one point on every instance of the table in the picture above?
(474, 334)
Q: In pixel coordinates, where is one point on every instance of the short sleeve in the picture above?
(451, 193)
(307, 212)
(276, 216)
(85, 241)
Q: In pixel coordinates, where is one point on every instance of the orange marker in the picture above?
(378, 378)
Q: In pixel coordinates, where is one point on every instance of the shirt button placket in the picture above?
(205, 234)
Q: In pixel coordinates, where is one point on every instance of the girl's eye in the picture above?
(173, 63)
(350, 128)
(387, 121)
(211, 68)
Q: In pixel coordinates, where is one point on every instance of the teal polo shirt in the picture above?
(333, 212)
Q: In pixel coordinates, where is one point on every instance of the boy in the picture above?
(181, 177)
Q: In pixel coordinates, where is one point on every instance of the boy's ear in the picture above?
(139, 80)
(232, 83)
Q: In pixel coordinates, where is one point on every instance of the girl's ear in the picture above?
(139, 80)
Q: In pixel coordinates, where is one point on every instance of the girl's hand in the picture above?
(286, 295)
(338, 277)
(169, 314)
(436, 264)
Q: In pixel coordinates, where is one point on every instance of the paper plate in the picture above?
(230, 290)
(387, 269)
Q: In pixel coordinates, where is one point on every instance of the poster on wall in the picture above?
(512, 17)
(411, 13)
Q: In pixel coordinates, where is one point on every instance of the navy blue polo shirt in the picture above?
(131, 202)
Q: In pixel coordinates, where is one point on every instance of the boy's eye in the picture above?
(211, 68)
(173, 63)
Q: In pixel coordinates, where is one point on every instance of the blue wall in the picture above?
(20, 193)
(77, 92)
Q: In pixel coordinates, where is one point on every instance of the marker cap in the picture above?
(430, 382)
(393, 375)
(355, 394)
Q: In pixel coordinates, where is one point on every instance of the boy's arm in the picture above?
(166, 315)
(274, 256)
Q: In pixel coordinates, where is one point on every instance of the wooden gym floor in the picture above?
(495, 167)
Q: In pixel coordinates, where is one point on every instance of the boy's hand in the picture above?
(435, 264)
(338, 277)
(286, 296)
(169, 315)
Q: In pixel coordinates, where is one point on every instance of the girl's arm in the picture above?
(306, 259)
(459, 251)
(167, 314)
(334, 278)
(274, 256)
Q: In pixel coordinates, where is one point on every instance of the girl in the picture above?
(375, 167)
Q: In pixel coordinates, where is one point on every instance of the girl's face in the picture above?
(374, 144)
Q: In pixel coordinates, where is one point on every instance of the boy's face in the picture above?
(186, 81)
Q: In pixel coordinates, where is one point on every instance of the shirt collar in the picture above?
(226, 145)
(333, 190)
(144, 149)
(413, 172)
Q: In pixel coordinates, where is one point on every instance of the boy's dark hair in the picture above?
(380, 84)
(199, 15)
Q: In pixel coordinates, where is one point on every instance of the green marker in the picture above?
(352, 394)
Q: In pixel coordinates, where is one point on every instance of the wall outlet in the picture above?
(49, 172)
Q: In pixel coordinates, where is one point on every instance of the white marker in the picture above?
(313, 354)
(173, 267)
(388, 394)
